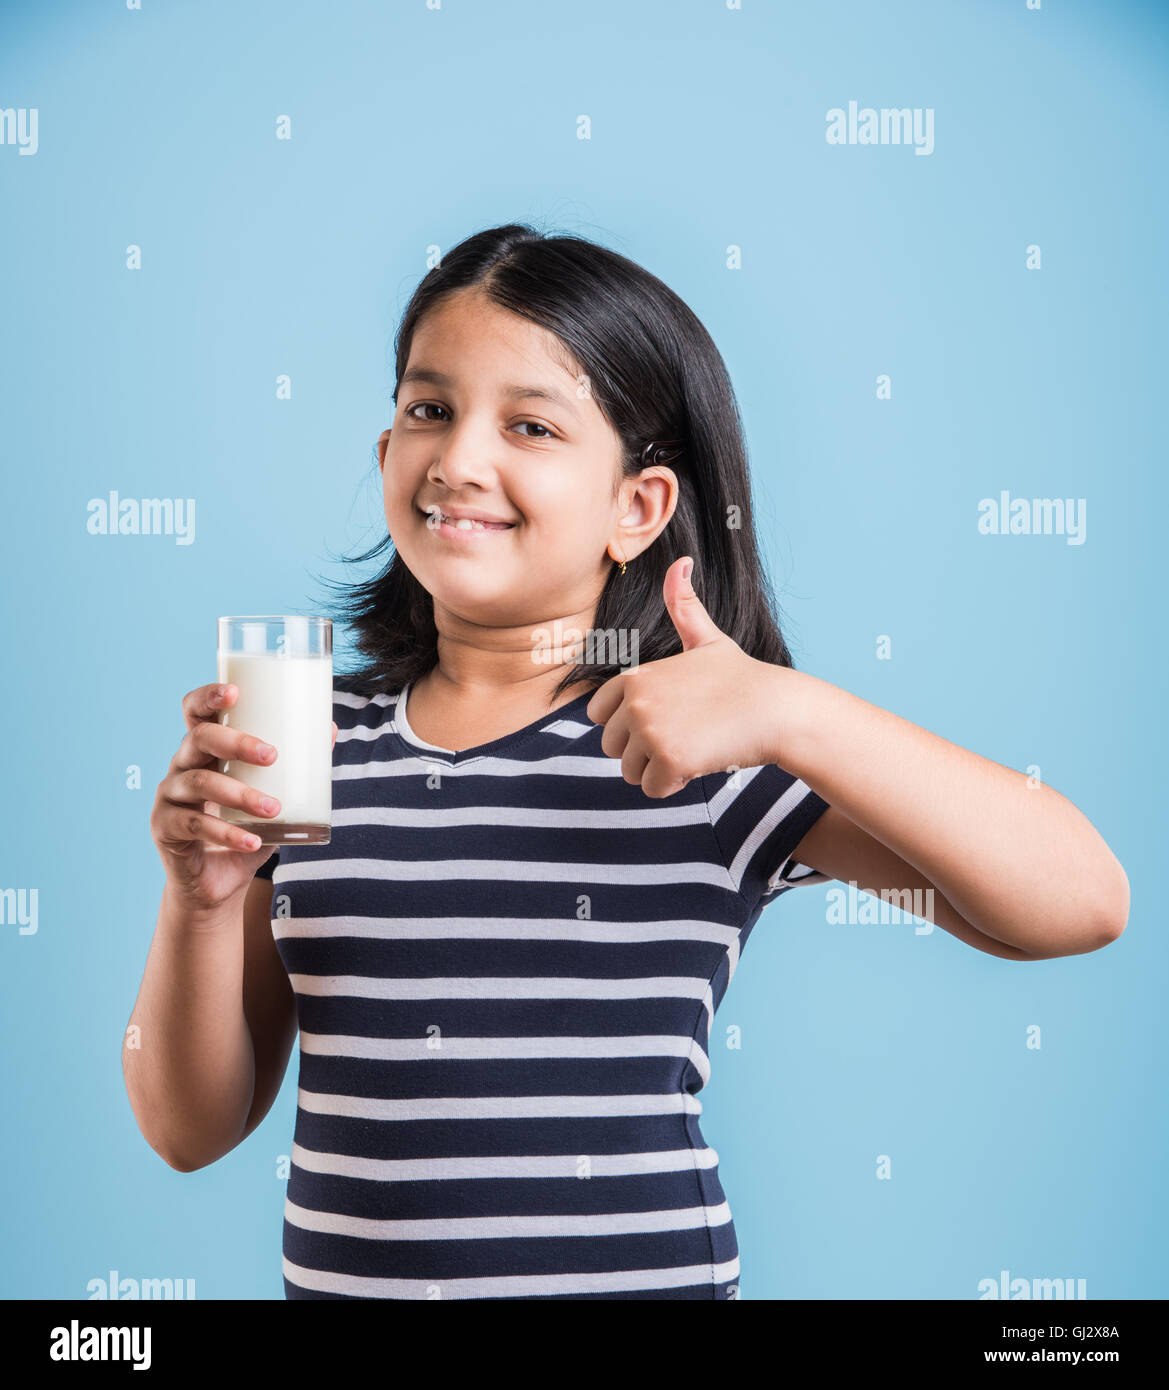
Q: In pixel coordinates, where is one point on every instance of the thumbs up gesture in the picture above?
(711, 708)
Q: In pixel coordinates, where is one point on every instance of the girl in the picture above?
(575, 767)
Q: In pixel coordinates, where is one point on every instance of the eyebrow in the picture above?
(430, 377)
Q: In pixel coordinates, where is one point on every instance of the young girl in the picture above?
(574, 769)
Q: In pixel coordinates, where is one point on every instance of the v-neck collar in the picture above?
(506, 743)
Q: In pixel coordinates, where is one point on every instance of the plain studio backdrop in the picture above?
(208, 230)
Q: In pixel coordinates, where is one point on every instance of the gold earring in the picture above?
(622, 569)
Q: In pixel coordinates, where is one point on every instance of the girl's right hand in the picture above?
(207, 859)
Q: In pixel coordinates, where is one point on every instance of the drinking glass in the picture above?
(283, 667)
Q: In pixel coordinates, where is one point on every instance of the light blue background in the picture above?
(414, 128)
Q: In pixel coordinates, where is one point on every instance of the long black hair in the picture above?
(655, 373)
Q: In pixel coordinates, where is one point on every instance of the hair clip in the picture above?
(661, 451)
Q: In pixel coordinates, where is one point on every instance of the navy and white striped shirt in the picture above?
(506, 966)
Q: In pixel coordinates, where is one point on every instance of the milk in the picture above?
(286, 701)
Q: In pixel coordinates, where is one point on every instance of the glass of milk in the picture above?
(283, 667)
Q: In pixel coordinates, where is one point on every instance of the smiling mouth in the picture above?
(464, 527)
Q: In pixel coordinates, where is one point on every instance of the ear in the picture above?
(382, 440)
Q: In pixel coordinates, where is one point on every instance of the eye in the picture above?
(421, 405)
(431, 405)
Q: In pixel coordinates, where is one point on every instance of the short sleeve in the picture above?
(760, 815)
(268, 867)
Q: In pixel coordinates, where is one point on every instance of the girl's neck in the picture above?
(504, 668)
(520, 690)
(457, 716)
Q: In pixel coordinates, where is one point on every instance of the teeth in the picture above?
(463, 523)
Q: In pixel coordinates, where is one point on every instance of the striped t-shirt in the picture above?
(506, 965)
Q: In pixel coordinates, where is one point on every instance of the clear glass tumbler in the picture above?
(283, 666)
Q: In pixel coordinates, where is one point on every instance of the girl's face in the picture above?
(489, 421)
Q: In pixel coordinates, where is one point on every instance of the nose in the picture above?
(463, 459)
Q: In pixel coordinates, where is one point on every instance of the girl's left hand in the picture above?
(711, 708)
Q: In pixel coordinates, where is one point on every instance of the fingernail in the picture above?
(686, 569)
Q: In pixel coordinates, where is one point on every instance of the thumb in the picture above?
(694, 624)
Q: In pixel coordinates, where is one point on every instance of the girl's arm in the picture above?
(838, 847)
(215, 1019)
(1014, 862)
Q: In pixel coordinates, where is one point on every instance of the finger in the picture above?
(207, 701)
(633, 762)
(180, 825)
(606, 699)
(660, 779)
(202, 784)
(334, 733)
(615, 734)
(209, 742)
(692, 622)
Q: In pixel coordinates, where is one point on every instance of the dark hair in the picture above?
(655, 373)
